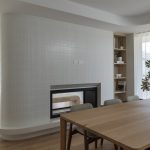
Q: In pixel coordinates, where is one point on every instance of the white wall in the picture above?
(39, 52)
(0, 63)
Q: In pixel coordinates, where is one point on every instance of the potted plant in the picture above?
(146, 80)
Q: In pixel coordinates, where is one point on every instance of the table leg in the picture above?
(63, 126)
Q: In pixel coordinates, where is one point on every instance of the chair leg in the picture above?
(116, 147)
(86, 144)
(69, 137)
(96, 143)
(102, 140)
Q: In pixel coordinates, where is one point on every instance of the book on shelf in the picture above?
(121, 86)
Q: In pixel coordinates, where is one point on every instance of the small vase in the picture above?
(119, 58)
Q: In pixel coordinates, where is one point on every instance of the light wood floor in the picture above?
(49, 142)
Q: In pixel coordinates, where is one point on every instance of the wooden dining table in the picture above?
(126, 125)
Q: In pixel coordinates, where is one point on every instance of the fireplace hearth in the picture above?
(62, 97)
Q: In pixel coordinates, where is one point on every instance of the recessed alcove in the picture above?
(62, 97)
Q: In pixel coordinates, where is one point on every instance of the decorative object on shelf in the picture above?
(118, 75)
(119, 58)
(121, 47)
(146, 80)
(120, 62)
(121, 85)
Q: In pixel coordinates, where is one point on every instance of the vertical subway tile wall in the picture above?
(39, 52)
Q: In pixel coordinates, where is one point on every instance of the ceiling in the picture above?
(119, 7)
(115, 15)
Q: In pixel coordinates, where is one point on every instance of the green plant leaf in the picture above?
(147, 63)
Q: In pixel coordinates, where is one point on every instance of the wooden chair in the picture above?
(88, 137)
(132, 98)
(113, 102)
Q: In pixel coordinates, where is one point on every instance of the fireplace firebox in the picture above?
(61, 99)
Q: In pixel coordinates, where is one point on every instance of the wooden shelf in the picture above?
(120, 92)
(120, 78)
(117, 49)
(120, 63)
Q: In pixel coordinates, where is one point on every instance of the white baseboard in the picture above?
(29, 135)
(20, 133)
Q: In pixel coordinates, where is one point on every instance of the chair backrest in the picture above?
(112, 102)
(132, 98)
(81, 107)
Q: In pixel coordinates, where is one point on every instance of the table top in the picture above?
(126, 124)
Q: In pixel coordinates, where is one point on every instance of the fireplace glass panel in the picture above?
(61, 102)
(62, 99)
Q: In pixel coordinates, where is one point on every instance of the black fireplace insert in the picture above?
(62, 99)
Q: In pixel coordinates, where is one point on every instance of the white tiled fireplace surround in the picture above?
(40, 52)
(53, 124)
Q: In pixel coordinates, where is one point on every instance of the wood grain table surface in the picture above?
(126, 124)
